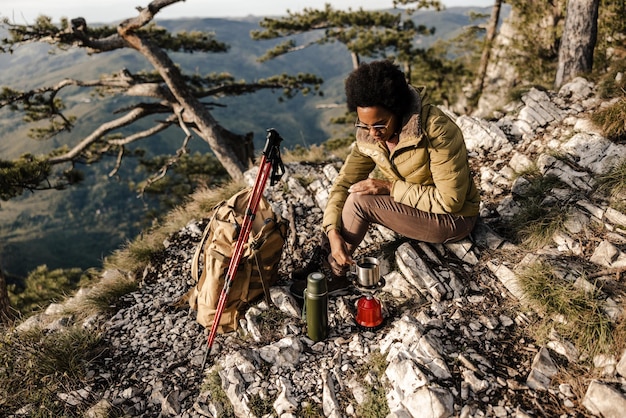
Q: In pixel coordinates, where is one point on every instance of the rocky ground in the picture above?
(457, 337)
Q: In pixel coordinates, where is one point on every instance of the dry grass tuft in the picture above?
(574, 313)
(101, 297)
(537, 221)
(613, 183)
(38, 365)
(611, 121)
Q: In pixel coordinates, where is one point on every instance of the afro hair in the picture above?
(379, 83)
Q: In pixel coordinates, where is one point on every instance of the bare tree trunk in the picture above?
(6, 314)
(484, 59)
(356, 60)
(578, 40)
(191, 108)
(406, 69)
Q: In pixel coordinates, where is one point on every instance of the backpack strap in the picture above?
(184, 300)
(257, 244)
(266, 291)
(196, 256)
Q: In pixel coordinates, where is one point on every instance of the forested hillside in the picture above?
(79, 226)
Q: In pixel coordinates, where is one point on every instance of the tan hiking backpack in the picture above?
(257, 271)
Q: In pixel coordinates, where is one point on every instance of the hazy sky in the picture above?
(25, 11)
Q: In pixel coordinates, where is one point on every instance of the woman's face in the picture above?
(378, 121)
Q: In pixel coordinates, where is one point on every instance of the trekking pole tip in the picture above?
(206, 359)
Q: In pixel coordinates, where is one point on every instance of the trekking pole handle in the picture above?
(271, 152)
(273, 140)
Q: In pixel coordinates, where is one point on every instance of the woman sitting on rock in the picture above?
(424, 190)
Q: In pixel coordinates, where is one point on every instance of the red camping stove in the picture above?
(369, 313)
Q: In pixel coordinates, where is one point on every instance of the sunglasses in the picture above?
(382, 129)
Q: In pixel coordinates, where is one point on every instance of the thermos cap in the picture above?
(316, 284)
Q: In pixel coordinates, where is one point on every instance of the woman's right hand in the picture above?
(339, 251)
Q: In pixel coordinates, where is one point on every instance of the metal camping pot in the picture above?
(367, 272)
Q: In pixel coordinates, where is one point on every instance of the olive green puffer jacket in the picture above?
(428, 167)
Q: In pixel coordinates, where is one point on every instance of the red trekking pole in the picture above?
(270, 161)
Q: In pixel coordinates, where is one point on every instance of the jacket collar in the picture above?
(412, 120)
(411, 132)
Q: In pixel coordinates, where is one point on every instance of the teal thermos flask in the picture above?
(316, 306)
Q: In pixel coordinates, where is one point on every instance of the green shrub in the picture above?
(190, 172)
(375, 403)
(609, 86)
(339, 143)
(312, 154)
(213, 385)
(43, 286)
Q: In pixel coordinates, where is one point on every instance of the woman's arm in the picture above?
(357, 167)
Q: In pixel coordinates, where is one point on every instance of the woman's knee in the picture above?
(350, 207)
(356, 204)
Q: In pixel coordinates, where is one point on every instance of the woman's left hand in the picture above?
(371, 186)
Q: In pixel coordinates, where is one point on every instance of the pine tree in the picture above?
(372, 34)
(166, 92)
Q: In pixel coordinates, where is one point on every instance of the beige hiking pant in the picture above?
(360, 211)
